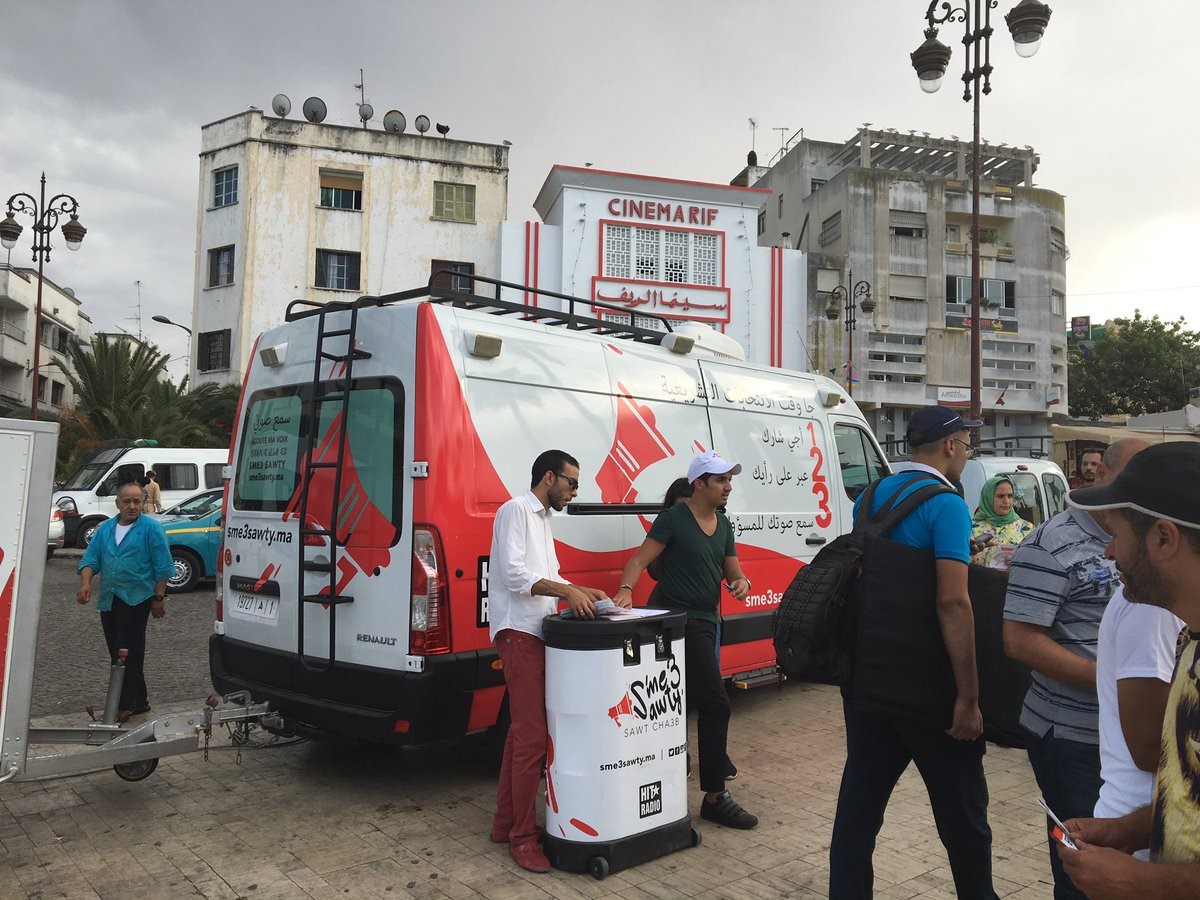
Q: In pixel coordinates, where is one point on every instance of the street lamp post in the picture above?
(45, 219)
(844, 299)
(165, 321)
(1027, 22)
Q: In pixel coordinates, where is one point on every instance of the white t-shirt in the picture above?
(522, 555)
(1136, 641)
(120, 531)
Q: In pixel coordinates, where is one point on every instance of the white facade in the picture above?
(681, 250)
(895, 210)
(63, 323)
(293, 210)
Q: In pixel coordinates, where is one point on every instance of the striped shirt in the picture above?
(1061, 581)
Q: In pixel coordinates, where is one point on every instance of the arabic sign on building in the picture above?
(1081, 327)
(675, 301)
(953, 396)
(957, 322)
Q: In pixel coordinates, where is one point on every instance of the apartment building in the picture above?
(295, 210)
(63, 323)
(894, 210)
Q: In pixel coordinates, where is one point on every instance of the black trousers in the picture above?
(878, 750)
(706, 695)
(125, 629)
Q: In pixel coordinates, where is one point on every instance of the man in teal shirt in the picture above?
(130, 553)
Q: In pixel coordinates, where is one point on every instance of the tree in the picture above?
(1141, 366)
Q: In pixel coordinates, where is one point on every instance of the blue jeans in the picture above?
(1068, 773)
(878, 750)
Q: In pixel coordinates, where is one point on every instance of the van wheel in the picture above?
(87, 530)
(187, 570)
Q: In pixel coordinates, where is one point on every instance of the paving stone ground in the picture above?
(324, 821)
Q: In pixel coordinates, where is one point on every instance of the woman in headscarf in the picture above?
(996, 528)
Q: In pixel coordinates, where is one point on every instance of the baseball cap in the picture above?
(708, 463)
(1155, 482)
(932, 423)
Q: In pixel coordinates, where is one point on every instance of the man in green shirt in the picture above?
(694, 547)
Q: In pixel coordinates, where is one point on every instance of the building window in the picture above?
(42, 388)
(212, 350)
(876, 356)
(816, 184)
(220, 266)
(781, 206)
(341, 191)
(909, 288)
(57, 390)
(997, 297)
(662, 254)
(909, 340)
(1058, 303)
(906, 224)
(953, 234)
(1008, 346)
(895, 378)
(762, 223)
(337, 270)
(453, 202)
(445, 274)
(831, 230)
(1058, 243)
(225, 185)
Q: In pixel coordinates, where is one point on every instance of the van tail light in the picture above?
(221, 582)
(430, 611)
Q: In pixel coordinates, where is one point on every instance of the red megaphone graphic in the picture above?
(624, 708)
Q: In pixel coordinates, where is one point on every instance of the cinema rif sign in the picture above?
(997, 325)
(657, 298)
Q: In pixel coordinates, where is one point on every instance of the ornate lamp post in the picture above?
(1027, 22)
(45, 219)
(844, 298)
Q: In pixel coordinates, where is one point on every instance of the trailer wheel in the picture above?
(136, 771)
(599, 867)
(697, 837)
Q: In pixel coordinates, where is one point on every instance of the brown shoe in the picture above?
(124, 715)
(529, 857)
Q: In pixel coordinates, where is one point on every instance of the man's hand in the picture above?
(968, 720)
(1126, 834)
(580, 602)
(1101, 872)
(84, 594)
(158, 608)
(623, 598)
(740, 588)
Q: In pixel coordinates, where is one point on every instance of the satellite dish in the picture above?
(443, 130)
(314, 110)
(422, 124)
(366, 111)
(395, 122)
(281, 105)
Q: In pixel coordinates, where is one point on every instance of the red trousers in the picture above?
(524, 659)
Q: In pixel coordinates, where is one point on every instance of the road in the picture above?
(71, 670)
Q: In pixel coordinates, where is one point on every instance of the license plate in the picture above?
(255, 606)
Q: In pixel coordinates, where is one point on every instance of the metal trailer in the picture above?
(27, 452)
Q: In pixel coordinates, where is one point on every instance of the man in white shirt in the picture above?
(524, 586)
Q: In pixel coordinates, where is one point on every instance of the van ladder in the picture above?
(326, 391)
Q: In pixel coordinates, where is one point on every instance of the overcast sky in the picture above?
(108, 98)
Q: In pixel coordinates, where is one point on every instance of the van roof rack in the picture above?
(568, 318)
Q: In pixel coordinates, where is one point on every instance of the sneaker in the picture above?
(726, 811)
(730, 769)
(530, 858)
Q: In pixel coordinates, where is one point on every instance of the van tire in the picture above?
(87, 528)
(188, 569)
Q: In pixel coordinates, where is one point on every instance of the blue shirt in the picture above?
(941, 524)
(131, 570)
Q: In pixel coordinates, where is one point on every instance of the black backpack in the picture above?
(814, 624)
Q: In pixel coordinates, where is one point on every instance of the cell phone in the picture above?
(1059, 830)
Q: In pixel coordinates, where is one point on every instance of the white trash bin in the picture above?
(616, 771)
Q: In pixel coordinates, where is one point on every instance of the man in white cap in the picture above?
(694, 546)
(1152, 511)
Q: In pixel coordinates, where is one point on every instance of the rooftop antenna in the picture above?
(782, 138)
(365, 110)
(753, 132)
(138, 317)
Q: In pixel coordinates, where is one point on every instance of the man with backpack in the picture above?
(880, 744)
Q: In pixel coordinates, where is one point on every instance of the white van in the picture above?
(368, 616)
(87, 497)
(1039, 484)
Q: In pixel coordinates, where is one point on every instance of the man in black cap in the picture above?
(879, 746)
(1152, 511)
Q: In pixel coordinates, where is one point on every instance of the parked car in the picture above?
(58, 532)
(197, 505)
(195, 541)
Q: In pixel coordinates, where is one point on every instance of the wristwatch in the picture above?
(160, 597)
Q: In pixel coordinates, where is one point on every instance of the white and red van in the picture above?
(367, 617)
